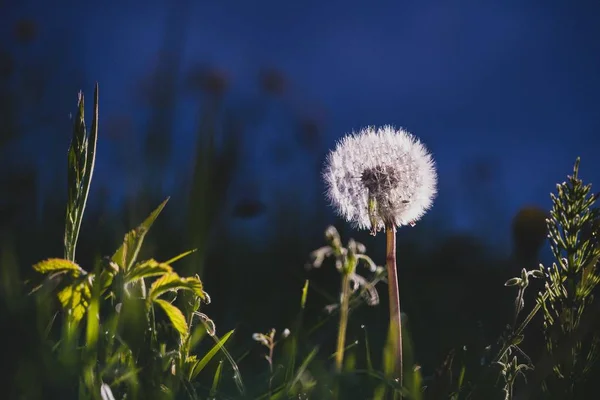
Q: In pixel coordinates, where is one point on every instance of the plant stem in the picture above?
(344, 309)
(394, 295)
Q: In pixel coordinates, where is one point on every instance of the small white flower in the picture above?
(380, 176)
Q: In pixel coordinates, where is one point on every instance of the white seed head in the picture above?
(380, 176)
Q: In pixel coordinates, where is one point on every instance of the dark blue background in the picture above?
(513, 85)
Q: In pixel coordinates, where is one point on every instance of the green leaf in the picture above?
(172, 281)
(304, 294)
(75, 299)
(147, 269)
(58, 265)
(127, 253)
(368, 352)
(461, 376)
(416, 387)
(303, 366)
(93, 323)
(180, 256)
(175, 315)
(209, 356)
(216, 380)
(513, 282)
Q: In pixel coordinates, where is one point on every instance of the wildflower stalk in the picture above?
(382, 178)
(394, 295)
(81, 158)
(344, 312)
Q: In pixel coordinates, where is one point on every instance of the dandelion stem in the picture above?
(344, 310)
(394, 295)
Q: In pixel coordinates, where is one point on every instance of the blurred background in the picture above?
(230, 108)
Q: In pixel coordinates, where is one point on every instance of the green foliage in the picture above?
(127, 253)
(569, 303)
(117, 359)
(130, 327)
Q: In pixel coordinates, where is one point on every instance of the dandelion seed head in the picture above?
(386, 165)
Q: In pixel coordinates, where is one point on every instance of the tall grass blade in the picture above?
(209, 356)
(81, 160)
(216, 380)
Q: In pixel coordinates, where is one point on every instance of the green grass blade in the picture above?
(180, 256)
(216, 380)
(209, 356)
(368, 350)
(93, 322)
(305, 363)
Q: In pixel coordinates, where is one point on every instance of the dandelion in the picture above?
(382, 178)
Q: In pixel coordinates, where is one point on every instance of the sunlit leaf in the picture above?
(58, 265)
(173, 281)
(147, 269)
(175, 315)
(127, 253)
(75, 299)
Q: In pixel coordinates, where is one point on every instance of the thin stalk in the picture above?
(394, 295)
(520, 329)
(344, 311)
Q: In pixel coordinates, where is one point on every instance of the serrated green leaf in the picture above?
(173, 281)
(75, 299)
(147, 269)
(58, 265)
(209, 356)
(175, 315)
(127, 253)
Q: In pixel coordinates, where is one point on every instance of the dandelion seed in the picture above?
(380, 176)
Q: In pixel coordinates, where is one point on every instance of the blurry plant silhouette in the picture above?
(529, 234)
(25, 31)
(272, 81)
(217, 151)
